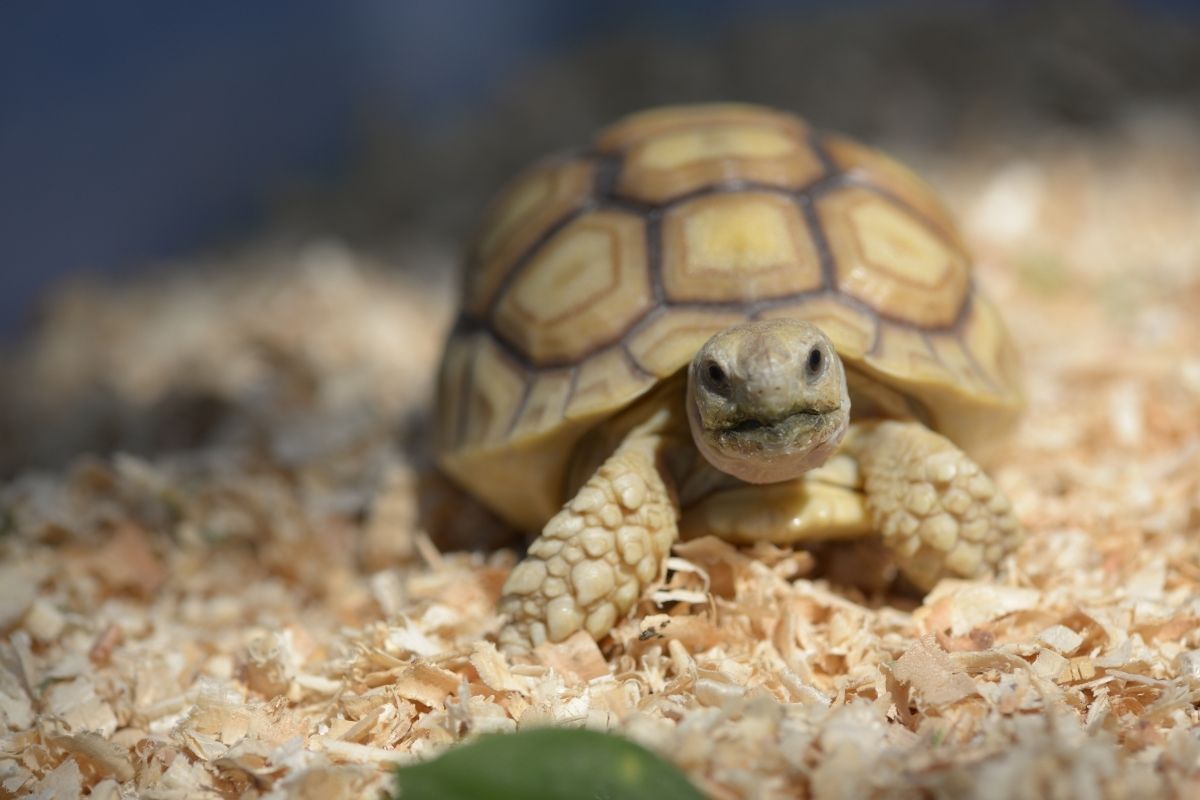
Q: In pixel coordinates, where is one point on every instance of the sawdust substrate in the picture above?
(248, 607)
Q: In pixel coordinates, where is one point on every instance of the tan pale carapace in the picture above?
(597, 275)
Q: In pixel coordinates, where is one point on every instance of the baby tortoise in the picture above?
(716, 320)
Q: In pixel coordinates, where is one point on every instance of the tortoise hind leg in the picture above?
(935, 508)
(596, 556)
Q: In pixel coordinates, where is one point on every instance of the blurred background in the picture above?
(136, 134)
(240, 223)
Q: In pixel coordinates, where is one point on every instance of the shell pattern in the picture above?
(599, 273)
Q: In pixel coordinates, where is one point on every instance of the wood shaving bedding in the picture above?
(255, 610)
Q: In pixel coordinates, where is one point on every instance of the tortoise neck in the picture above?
(871, 398)
(660, 412)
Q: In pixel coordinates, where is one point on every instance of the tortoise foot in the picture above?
(940, 514)
(594, 558)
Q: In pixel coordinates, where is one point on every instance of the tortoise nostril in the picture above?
(716, 378)
(815, 361)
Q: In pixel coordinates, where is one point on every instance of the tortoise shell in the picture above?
(598, 274)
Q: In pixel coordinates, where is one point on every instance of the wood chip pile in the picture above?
(238, 600)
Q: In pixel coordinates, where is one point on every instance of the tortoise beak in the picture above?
(783, 448)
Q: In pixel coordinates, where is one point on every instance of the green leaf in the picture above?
(545, 764)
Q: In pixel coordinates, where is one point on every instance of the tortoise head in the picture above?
(767, 400)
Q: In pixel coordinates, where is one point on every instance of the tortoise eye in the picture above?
(815, 361)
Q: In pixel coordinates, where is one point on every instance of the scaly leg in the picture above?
(935, 508)
(597, 555)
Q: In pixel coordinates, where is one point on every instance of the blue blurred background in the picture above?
(131, 133)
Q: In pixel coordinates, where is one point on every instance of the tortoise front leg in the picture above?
(935, 508)
(597, 555)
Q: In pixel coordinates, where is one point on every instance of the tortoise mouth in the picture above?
(787, 426)
(765, 451)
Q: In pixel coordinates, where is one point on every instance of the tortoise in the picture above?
(718, 320)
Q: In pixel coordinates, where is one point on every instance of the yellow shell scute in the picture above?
(581, 290)
(525, 211)
(875, 168)
(739, 140)
(891, 260)
(643, 125)
(667, 165)
(960, 366)
(544, 407)
(453, 387)
(984, 335)
(851, 328)
(738, 247)
(895, 243)
(496, 389)
(673, 337)
(901, 350)
(606, 381)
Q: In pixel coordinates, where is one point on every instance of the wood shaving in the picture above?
(928, 669)
(577, 657)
